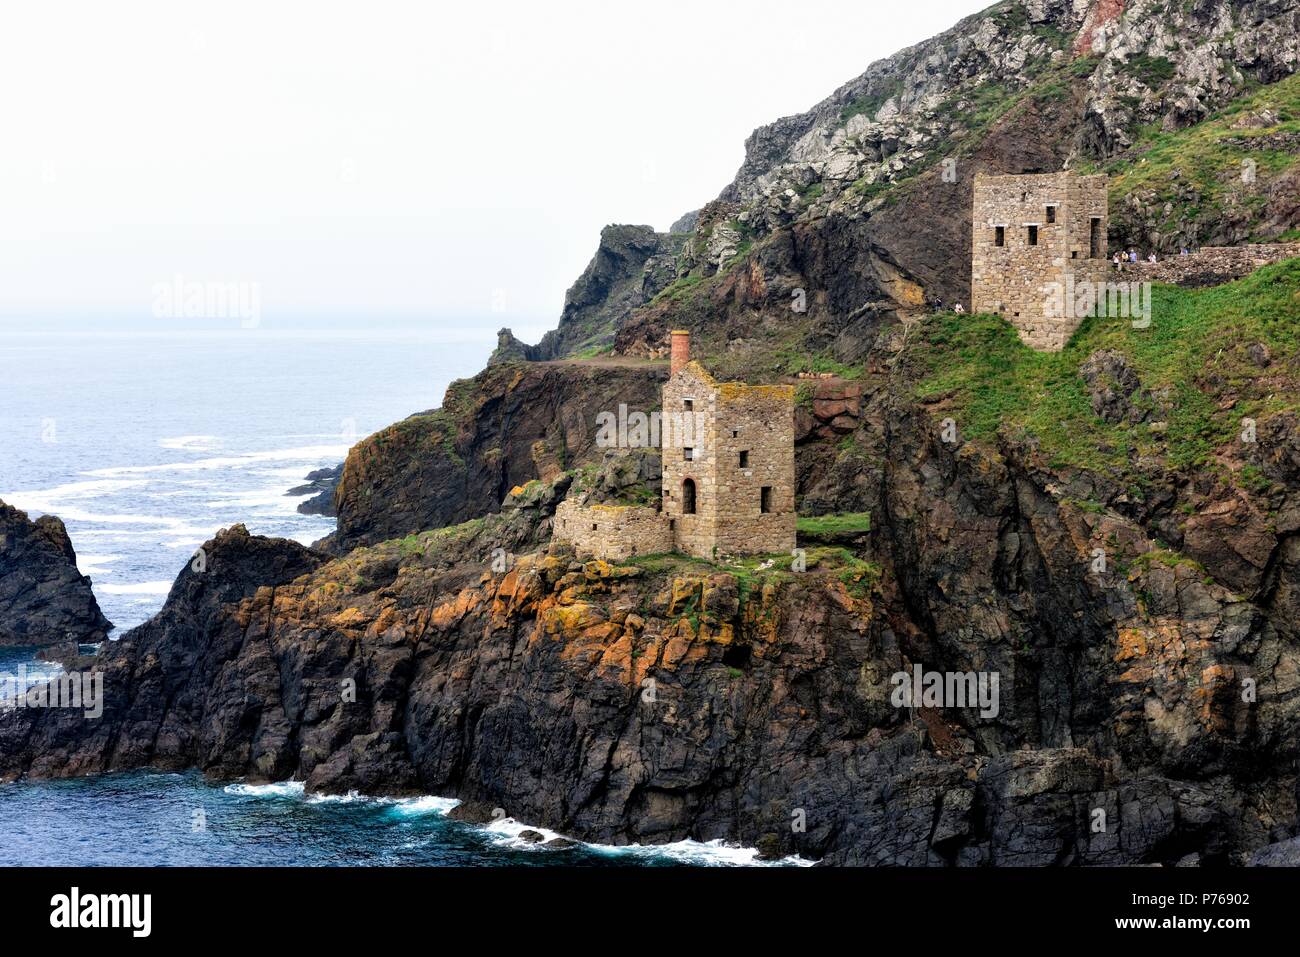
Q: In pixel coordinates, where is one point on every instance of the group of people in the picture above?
(1120, 257)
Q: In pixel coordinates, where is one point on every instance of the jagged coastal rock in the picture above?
(44, 600)
(631, 266)
(163, 678)
(320, 485)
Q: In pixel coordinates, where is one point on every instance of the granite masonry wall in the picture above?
(727, 453)
(756, 423)
(612, 531)
(691, 393)
(742, 469)
(1211, 265)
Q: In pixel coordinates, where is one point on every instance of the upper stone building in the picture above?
(1035, 237)
(728, 474)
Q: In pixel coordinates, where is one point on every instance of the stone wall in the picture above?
(735, 418)
(1211, 265)
(1067, 215)
(612, 531)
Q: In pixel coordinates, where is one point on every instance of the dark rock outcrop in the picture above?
(44, 600)
(320, 486)
(1112, 387)
(510, 425)
(631, 266)
(1281, 854)
(621, 477)
(510, 349)
(167, 680)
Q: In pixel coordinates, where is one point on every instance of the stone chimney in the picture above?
(681, 350)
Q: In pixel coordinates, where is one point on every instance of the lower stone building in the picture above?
(728, 474)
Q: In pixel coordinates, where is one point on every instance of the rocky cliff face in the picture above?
(673, 698)
(44, 600)
(863, 202)
(1134, 63)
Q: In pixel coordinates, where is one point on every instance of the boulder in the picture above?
(1112, 386)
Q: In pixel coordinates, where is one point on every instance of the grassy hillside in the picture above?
(1216, 171)
(1197, 379)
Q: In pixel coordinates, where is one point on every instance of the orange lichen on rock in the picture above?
(1131, 643)
(348, 618)
(451, 612)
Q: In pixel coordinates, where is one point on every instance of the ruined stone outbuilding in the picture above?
(728, 474)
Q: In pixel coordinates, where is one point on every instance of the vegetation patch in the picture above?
(811, 191)
(975, 370)
(846, 522)
(680, 290)
(1153, 71)
(1168, 558)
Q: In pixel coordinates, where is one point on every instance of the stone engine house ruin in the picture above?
(1035, 237)
(728, 474)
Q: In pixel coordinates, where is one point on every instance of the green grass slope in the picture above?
(1197, 378)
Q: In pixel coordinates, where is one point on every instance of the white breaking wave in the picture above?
(507, 830)
(51, 501)
(281, 789)
(191, 443)
(272, 498)
(305, 453)
(702, 852)
(95, 564)
(292, 474)
(425, 805)
(712, 853)
(136, 588)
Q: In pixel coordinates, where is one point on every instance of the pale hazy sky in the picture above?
(450, 161)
